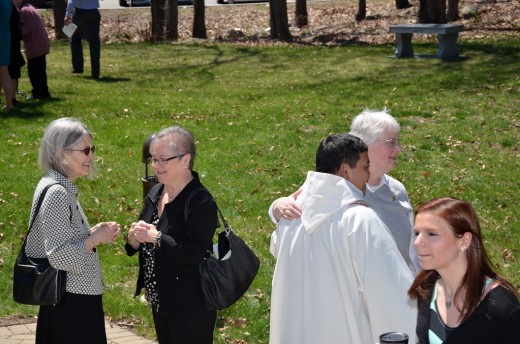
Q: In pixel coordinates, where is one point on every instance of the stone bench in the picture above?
(447, 34)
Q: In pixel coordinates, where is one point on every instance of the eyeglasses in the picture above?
(392, 143)
(163, 161)
(85, 150)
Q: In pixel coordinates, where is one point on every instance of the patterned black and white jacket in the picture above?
(58, 233)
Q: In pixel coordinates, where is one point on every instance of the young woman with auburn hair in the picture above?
(461, 298)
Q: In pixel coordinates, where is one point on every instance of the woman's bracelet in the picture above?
(157, 240)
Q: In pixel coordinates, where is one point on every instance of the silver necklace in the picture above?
(169, 197)
(446, 295)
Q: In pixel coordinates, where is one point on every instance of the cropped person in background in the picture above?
(36, 46)
(62, 234)
(5, 51)
(85, 14)
(461, 298)
(339, 277)
(171, 246)
(386, 195)
(17, 61)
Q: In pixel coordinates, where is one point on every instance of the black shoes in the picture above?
(34, 95)
(74, 71)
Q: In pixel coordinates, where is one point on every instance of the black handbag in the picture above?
(225, 279)
(35, 281)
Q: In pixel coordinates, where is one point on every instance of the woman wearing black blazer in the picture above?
(172, 243)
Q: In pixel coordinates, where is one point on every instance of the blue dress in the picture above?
(5, 36)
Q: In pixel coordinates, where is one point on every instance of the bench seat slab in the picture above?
(439, 29)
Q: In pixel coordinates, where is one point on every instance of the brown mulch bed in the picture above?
(330, 22)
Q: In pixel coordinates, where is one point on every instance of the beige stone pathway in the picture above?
(25, 334)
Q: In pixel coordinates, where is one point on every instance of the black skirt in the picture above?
(79, 320)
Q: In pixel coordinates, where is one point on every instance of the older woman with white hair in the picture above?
(385, 194)
(62, 234)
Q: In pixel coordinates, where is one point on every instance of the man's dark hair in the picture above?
(336, 149)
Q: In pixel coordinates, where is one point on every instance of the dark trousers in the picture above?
(185, 327)
(88, 22)
(78, 320)
(37, 70)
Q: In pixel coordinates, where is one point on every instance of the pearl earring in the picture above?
(462, 249)
(65, 162)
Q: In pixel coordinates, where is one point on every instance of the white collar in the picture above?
(384, 180)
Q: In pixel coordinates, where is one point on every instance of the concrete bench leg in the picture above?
(403, 45)
(448, 46)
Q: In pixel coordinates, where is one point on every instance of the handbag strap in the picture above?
(187, 208)
(36, 210)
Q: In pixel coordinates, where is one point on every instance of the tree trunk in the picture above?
(453, 10)
(362, 10)
(279, 21)
(422, 13)
(432, 11)
(402, 4)
(172, 20)
(301, 18)
(157, 8)
(199, 15)
(58, 11)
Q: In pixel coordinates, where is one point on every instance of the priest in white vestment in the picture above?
(339, 276)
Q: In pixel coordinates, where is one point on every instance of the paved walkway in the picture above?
(26, 334)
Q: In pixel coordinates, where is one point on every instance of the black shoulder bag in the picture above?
(35, 281)
(225, 279)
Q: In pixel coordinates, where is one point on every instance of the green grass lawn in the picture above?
(258, 114)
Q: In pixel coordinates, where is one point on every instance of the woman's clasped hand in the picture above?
(141, 232)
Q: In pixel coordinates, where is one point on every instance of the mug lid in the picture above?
(394, 337)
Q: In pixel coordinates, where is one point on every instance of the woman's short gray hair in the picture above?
(60, 135)
(180, 140)
(370, 123)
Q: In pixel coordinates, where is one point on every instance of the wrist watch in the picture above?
(157, 241)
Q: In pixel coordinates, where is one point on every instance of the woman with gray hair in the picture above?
(385, 194)
(62, 234)
(173, 236)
